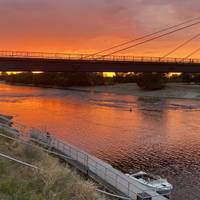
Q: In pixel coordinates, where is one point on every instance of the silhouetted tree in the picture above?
(57, 79)
(186, 77)
(196, 78)
(151, 81)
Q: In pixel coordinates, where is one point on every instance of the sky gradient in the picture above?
(88, 26)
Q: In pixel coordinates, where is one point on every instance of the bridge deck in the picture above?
(92, 57)
(59, 62)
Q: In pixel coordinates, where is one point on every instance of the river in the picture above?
(161, 136)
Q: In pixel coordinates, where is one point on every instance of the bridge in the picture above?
(61, 62)
(106, 60)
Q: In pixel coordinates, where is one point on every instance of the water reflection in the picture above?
(159, 136)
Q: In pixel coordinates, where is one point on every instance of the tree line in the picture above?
(56, 79)
(146, 81)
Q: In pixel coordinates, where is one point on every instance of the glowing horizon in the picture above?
(44, 25)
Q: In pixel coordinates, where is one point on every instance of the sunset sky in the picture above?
(91, 25)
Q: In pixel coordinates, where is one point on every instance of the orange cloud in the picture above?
(89, 26)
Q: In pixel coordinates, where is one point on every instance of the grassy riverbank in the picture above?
(55, 181)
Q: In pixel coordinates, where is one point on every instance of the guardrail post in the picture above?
(116, 180)
(129, 188)
(95, 166)
(77, 155)
(86, 161)
(63, 148)
(87, 165)
(70, 151)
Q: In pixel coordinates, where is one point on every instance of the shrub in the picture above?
(151, 81)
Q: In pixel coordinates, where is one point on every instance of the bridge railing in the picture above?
(91, 57)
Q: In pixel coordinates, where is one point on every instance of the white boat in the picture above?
(156, 183)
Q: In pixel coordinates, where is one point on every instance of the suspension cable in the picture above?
(191, 54)
(182, 45)
(143, 37)
(151, 39)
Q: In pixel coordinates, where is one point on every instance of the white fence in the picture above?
(96, 167)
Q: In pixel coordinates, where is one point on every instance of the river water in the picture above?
(161, 136)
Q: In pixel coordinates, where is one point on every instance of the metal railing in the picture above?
(91, 57)
(95, 166)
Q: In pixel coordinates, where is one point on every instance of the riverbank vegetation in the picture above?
(146, 81)
(151, 81)
(55, 180)
(56, 79)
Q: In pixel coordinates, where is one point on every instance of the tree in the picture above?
(196, 78)
(186, 77)
(151, 81)
(57, 79)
